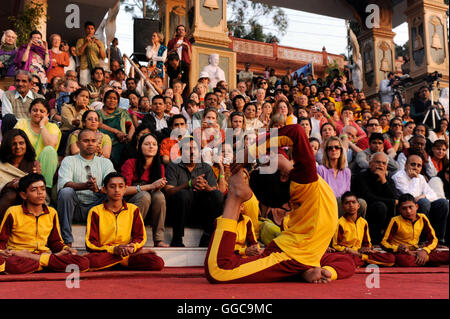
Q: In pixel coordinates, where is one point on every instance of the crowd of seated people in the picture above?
(172, 148)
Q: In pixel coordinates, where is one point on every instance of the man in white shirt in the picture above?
(246, 75)
(409, 180)
(386, 90)
(417, 146)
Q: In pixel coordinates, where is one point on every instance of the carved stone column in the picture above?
(428, 43)
(377, 48)
(207, 24)
(171, 14)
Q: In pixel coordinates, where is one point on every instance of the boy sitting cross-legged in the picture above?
(352, 236)
(115, 232)
(404, 232)
(30, 239)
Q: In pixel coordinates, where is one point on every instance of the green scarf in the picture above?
(8, 47)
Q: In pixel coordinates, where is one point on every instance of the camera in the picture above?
(317, 108)
(435, 76)
(403, 80)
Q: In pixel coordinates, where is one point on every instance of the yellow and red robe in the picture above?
(40, 235)
(107, 229)
(303, 244)
(354, 235)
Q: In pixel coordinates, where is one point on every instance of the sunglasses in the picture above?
(117, 87)
(333, 147)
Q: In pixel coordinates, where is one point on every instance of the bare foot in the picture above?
(161, 244)
(62, 252)
(145, 251)
(317, 275)
(238, 186)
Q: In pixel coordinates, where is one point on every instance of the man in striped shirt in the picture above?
(79, 183)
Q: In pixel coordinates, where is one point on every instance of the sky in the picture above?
(326, 31)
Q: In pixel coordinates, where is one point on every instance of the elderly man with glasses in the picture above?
(16, 103)
(377, 188)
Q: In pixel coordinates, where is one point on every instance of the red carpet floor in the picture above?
(190, 283)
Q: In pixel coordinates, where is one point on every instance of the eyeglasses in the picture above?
(333, 147)
(373, 124)
(415, 164)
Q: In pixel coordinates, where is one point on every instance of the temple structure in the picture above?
(261, 55)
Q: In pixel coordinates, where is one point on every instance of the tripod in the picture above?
(433, 109)
(398, 95)
(434, 114)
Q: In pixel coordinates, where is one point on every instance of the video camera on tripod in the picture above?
(430, 79)
(402, 82)
(433, 77)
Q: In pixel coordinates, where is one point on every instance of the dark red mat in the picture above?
(189, 283)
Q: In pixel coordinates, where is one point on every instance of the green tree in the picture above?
(402, 50)
(27, 20)
(148, 8)
(244, 20)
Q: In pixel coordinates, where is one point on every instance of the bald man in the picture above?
(377, 188)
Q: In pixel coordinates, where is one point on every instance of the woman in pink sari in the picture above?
(34, 57)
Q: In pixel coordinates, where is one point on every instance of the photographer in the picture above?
(386, 87)
(91, 52)
(420, 104)
(34, 57)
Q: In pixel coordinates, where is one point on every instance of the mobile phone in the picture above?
(88, 172)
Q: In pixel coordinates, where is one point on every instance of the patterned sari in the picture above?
(118, 120)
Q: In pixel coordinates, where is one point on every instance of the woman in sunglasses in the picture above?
(36, 85)
(334, 170)
(395, 135)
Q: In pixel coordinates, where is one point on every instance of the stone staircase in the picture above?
(189, 256)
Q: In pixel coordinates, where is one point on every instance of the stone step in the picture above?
(190, 256)
(191, 236)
